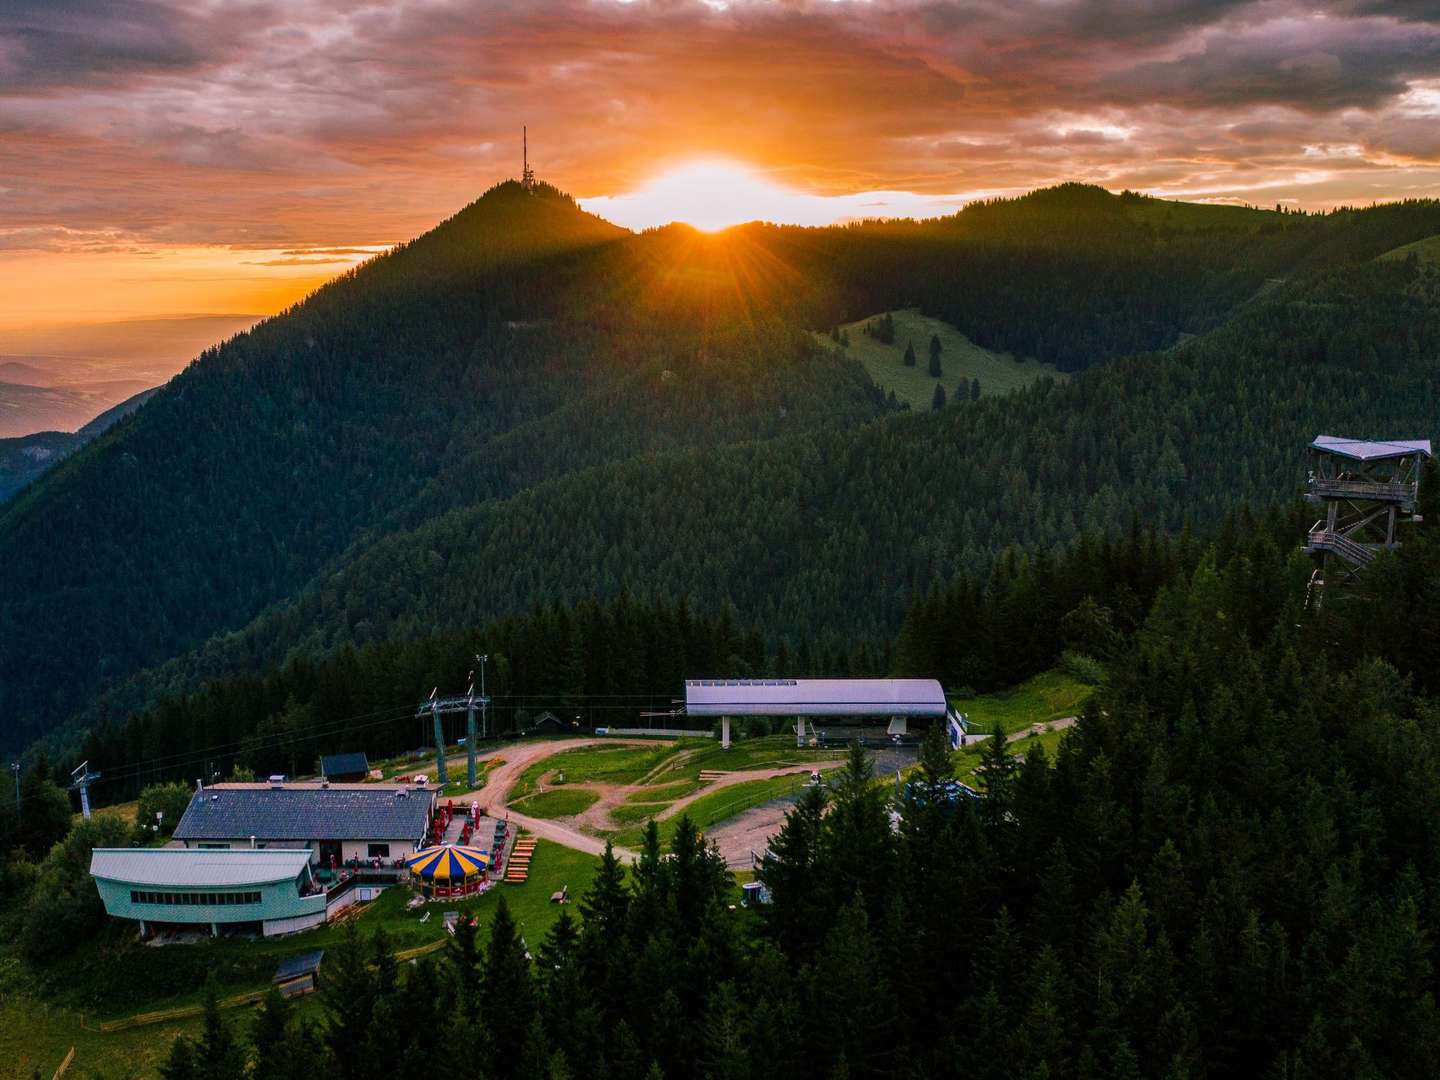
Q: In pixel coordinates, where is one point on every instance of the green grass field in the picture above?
(1051, 695)
(718, 806)
(666, 792)
(558, 802)
(620, 764)
(764, 752)
(960, 358)
(37, 1032)
(1427, 250)
(969, 759)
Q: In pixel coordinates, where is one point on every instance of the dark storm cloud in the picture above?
(1315, 65)
(47, 44)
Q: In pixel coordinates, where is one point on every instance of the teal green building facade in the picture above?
(263, 891)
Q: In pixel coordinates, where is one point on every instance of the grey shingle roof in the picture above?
(305, 813)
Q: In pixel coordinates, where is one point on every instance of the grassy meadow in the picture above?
(1051, 695)
(960, 358)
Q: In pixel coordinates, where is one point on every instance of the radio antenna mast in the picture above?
(527, 178)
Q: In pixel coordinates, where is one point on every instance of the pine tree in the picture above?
(725, 1053)
(507, 994)
(789, 871)
(975, 389)
(937, 401)
(997, 776)
(910, 354)
(935, 355)
(348, 996)
(218, 1055)
(181, 1064)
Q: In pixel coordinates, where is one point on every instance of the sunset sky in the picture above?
(208, 156)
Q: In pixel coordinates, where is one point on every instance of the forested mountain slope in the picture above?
(272, 453)
(25, 459)
(529, 405)
(828, 535)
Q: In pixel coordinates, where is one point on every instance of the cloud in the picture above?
(321, 129)
(296, 262)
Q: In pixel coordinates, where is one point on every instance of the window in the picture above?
(193, 899)
(381, 851)
(214, 847)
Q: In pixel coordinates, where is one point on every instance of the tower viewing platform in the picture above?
(1366, 488)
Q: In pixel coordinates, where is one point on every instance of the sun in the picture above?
(711, 195)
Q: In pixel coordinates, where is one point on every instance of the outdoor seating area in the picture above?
(517, 870)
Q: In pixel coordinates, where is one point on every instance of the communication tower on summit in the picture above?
(1366, 489)
(527, 177)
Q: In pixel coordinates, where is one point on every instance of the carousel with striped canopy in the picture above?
(449, 870)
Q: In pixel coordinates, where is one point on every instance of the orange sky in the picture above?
(167, 157)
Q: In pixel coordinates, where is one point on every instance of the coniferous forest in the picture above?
(1229, 866)
(528, 408)
(612, 461)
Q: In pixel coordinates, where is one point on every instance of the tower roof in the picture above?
(1364, 450)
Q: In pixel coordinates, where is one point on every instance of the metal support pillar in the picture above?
(470, 744)
(799, 731)
(724, 733)
(440, 775)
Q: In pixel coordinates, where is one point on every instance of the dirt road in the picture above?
(517, 758)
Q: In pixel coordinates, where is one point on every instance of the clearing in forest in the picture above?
(960, 360)
(1051, 695)
(1427, 250)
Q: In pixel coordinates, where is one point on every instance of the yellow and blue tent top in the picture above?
(448, 862)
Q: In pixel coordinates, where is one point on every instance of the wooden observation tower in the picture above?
(1366, 489)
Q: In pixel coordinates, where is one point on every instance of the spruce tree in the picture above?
(937, 400)
(974, 389)
(507, 994)
(348, 996)
(935, 355)
(910, 354)
(181, 1064)
(218, 1055)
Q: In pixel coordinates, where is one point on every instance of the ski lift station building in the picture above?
(897, 700)
(262, 890)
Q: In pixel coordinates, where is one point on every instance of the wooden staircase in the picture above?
(1337, 542)
(517, 870)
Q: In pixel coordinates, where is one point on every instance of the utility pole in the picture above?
(15, 768)
(80, 780)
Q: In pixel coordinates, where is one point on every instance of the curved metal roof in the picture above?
(814, 697)
(191, 867)
(1363, 450)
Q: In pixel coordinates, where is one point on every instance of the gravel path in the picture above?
(517, 758)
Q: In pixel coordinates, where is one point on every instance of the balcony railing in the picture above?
(1370, 490)
(1356, 554)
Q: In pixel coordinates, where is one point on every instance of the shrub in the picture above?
(70, 911)
(169, 800)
